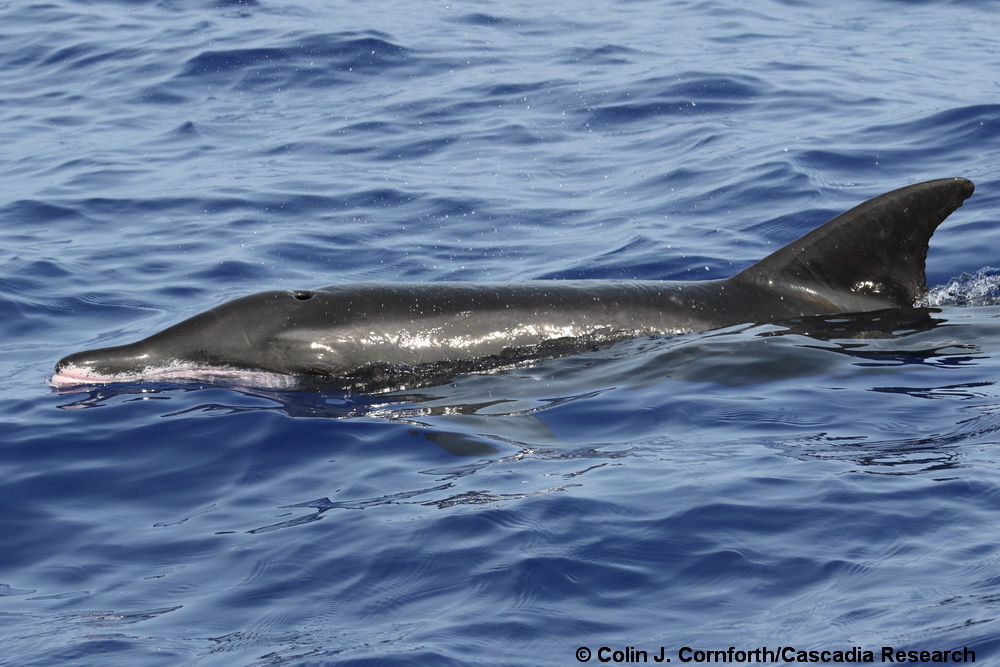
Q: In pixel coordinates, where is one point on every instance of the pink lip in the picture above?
(73, 375)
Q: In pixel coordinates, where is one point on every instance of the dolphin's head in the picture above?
(246, 336)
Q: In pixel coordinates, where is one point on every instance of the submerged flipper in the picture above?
(877, 249)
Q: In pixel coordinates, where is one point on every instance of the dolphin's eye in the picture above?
(302, 295)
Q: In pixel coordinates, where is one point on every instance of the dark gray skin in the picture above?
(382, 335)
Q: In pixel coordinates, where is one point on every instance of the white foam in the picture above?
(979, 289)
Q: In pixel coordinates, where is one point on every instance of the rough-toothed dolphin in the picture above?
(385, 335)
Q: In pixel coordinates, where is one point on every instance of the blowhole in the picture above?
(302, 295)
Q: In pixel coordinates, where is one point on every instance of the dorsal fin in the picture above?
(876, 249)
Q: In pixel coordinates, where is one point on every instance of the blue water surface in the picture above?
(822, 485)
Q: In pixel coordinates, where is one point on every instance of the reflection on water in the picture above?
(956, 391)
(324, 505)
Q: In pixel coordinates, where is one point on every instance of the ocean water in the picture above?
(825, 485)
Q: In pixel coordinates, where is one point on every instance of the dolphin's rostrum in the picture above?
(371, 336)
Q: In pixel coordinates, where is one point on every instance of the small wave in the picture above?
(314, 61)
(979, 289)
(689, 94)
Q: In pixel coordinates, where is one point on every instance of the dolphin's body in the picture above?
(385, 335)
